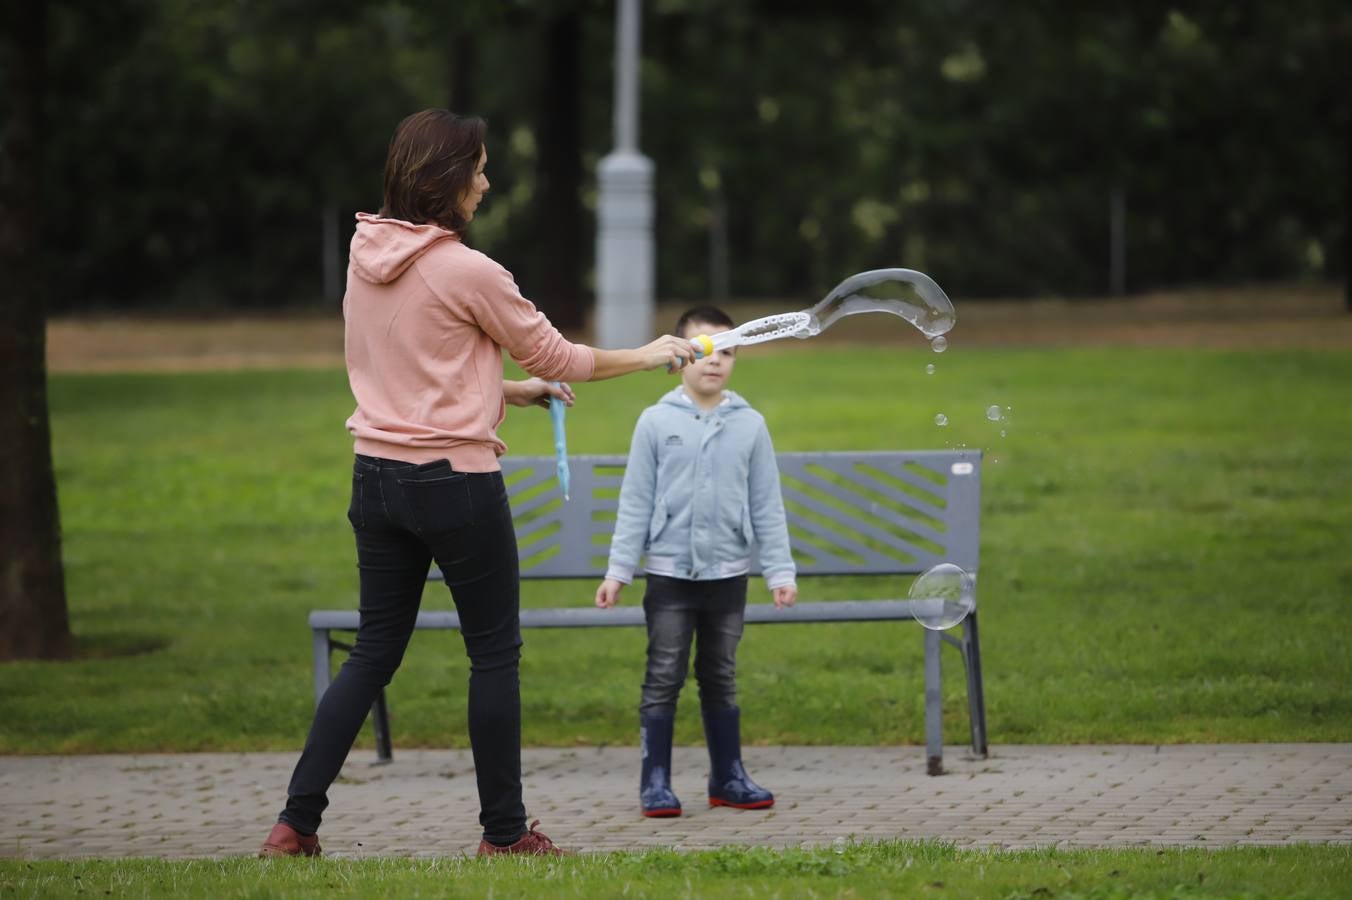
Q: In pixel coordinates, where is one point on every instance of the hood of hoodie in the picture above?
(677, 397)
(383, 249)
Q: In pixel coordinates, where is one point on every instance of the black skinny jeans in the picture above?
(404, 516)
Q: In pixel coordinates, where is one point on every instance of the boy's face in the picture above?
(707, 377)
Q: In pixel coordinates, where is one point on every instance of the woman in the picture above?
(426, 321)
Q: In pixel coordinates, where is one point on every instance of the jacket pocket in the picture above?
(440, 504)
(747, 536)
(658, 523)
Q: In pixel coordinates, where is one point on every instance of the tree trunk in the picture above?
(33, 620)
(558, 285)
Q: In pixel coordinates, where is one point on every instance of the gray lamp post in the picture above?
(624, 238)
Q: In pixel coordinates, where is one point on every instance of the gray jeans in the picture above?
(709, 612)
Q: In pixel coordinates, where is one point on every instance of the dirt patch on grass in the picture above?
(180, 343)
(1244, 318)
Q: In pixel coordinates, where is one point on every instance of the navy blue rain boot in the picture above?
(729, 785)
(654, 790)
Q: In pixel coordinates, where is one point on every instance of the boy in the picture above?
(700, 487)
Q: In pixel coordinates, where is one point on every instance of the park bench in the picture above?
(850, 514)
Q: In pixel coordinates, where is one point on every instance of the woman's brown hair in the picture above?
(431, 165)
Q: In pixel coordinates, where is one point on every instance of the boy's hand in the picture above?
(608, 594)
(784, 596)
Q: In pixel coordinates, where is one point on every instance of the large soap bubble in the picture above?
(912, 295)
(943, 596)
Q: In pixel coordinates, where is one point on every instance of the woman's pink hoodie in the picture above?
(426, 319)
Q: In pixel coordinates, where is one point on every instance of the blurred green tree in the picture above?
(212, 153)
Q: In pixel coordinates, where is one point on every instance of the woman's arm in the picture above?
(669, 351)
(487, 292)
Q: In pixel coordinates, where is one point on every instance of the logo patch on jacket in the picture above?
(674, 440)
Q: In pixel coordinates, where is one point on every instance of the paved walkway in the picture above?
(424, 803)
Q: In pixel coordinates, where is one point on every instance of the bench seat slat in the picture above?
(592, 617)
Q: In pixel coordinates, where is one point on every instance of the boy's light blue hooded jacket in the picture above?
(699, 489)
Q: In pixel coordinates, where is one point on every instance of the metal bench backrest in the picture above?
(849, 513)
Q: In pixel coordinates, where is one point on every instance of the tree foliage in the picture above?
(197, 147)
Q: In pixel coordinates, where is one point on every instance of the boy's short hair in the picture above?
(710, 315)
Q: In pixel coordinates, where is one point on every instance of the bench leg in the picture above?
(934, 705)
(319, 646)
(380, 712)
(976, 697)
(380, 720)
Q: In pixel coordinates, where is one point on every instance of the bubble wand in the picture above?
(912, 295)
(557, 410)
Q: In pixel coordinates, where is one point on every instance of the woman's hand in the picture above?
(669, 351)
(536, 392)
(785, 596)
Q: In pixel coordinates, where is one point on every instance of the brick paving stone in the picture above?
(424, 804)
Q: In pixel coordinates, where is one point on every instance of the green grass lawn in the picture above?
(887, 869)
(1164, 557)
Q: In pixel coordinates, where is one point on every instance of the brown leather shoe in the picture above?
(284, 840)
(532, 843)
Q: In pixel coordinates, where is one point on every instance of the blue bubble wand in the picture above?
(557, 411)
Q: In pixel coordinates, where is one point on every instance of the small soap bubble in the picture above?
(838, 845)
(993, 413)
(943, 596)
(1002, 432)
(941, 420)
(939, 344)
(929, 369)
